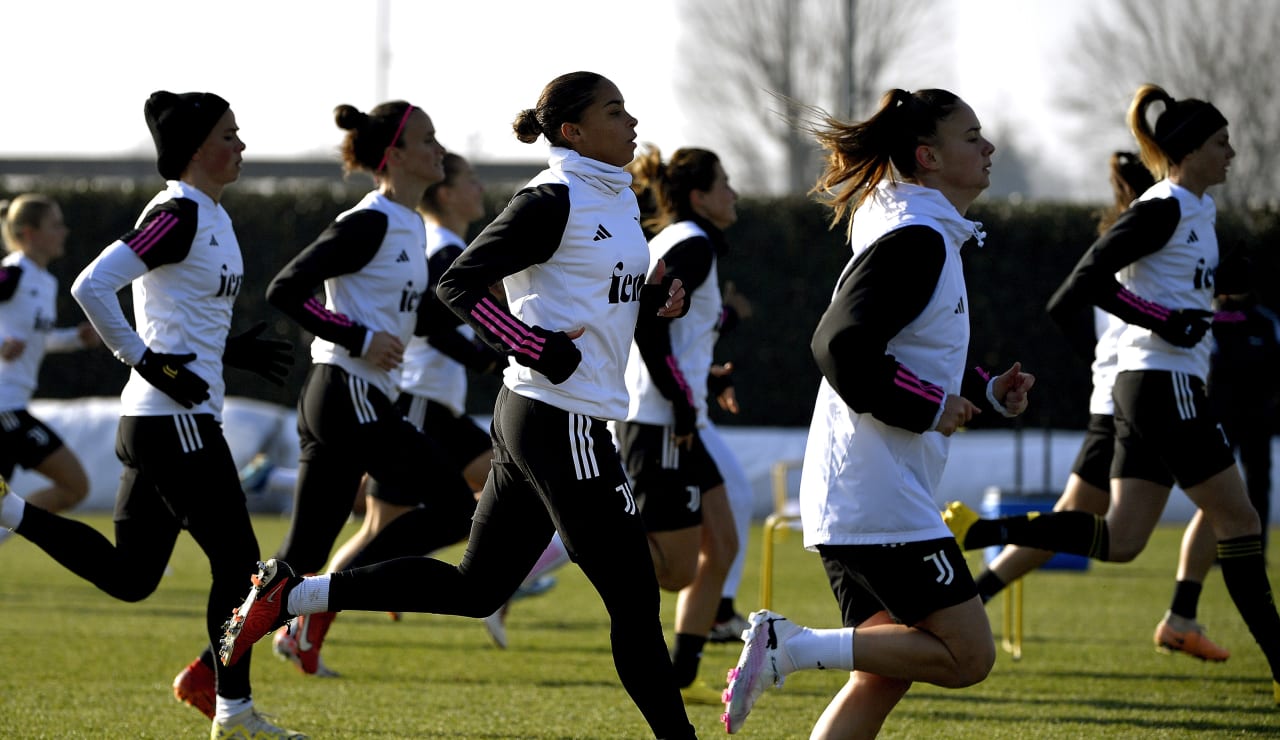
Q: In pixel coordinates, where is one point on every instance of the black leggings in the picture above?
(552, 471)
(178, 474)
(348, 428)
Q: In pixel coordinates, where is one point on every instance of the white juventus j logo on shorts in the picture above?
(695, 498)
(945, 572)
(629, 505)
(39, 436)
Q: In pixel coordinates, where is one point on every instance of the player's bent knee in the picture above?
(674, 578)
(974, 665)
(75, 495)
(721, 551)
(1125, 552)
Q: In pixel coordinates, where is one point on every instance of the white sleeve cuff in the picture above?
(991, 396)
(938, 416)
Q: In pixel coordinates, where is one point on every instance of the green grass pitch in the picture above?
(75, 663)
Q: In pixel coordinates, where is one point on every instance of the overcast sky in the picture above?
(78, 71)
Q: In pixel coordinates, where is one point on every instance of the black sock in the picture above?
(1075, 532)
(989, 584)
(725, 611)
(686, 657)
(1245, 572)
(1186, 599)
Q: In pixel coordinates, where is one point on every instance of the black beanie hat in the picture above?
(179, 124)
(1185, 125)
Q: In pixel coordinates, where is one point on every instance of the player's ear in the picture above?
(926, 158)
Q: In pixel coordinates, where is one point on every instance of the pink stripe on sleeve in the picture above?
(680, 381)
(1154, 310)
(514, 344)
(152, 233)
(907, 380)
(496, 313)
(506, 328)
(314, 307)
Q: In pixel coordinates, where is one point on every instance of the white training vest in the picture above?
(693, 339)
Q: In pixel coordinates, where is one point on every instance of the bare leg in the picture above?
(741, 501)
(675, 556)
(1136, 506)
(696, 605)
(952, 647)
(1226, 506)
(69, 486)
(861, 706)
(378, 514)
(1199, 547)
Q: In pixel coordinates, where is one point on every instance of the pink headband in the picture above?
(394, 139)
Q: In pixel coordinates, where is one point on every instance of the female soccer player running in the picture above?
(679, 485)
(1154, 270)
(572, 259)
(892, 348)
(183, 262)
(35, 235)
(1088, 487)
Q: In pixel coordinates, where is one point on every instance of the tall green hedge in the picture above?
(783, 258)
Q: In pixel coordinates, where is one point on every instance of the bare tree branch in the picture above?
(1217, 50)
(748, 62)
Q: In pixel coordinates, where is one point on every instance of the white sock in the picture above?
(11, 510)
(821, 649)
(226, 708)
(309, 597)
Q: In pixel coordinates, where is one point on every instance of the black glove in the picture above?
(557, 359)
(1185, 327)
(270, 358)
(717, 384)
(169, 373)
(653, 296)
(686, 419)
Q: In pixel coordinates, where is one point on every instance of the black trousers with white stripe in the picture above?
(178, 474)
(347, 428)
(552, 471)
